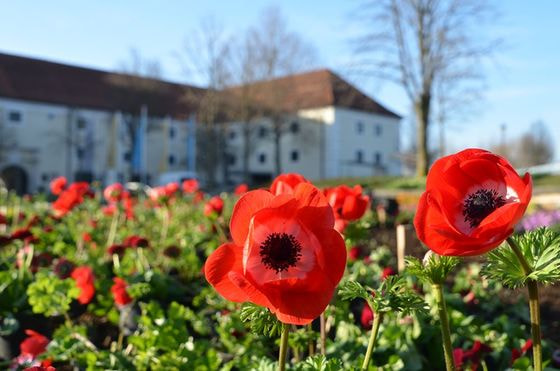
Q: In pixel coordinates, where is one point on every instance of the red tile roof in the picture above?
(48, 82)
(320, 88)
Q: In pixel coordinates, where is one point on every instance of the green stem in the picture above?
(534, 306)
(323, 333)
(283, 347)
(311, 344)
(372, 339)
(444, 324)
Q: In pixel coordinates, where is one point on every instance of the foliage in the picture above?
(50, 295)
(434, 269)
(260, 320)
(540, 248)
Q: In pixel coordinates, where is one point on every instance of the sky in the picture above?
(521, 85)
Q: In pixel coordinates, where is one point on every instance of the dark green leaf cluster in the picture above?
(392, 295)
(434, 269)
(50, 295)
(541, 250)
(260, 320)
(320, 363)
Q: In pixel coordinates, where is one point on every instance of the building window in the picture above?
(232, 135)
(262, 158)
(378, 130)
(262, 132)
(81, 123)
(171, 160)
(359, 127)
(295, 156)
(231, 159)
(171, 133)
(294, 127)
(359, 156)
(80, 152)
(44, 177)
(377, 158)
(127, 156)
(14, 116)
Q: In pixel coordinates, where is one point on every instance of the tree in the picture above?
(535, 147)
(421, 44)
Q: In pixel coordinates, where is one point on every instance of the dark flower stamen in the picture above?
(480, 204)
(280, 251)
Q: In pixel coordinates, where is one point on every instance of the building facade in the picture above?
(94, 125)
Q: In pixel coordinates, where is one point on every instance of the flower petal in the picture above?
(244, 209)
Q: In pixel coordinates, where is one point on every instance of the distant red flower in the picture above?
(41, 260)
(119, 291)
(472, 356)
(190, 185)
(40, 368)
(85, 282)
(286, 183)
(171, 188)
(354, 253)
(34, 345)
(113, 193)
(241, 189)
(214, 206)
(70, 198)
(63, 268)
(516, 353)
(128, 204)
(348, 203)
(21, 234)
(57, 185)
(118, 249)
(473, 200)
(4, 240)
(198, 196)
(109, 210)
(172, 251)
(136, 241)
(387, 271)
(86, 237)
(285, 254)
(366, 317)
(3, 219)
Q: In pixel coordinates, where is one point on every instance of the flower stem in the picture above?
(372, 339)
(444, 324)
(283, 347)
(534, 306)
(323, 334)
(311, 344)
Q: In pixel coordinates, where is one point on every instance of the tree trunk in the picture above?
(246, 149)
(422, 109)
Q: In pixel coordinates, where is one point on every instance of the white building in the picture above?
(94, 125)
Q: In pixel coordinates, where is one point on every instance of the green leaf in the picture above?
(434, 269)
(50, 295)
(541, 250)
(261, 321)
(351, 290)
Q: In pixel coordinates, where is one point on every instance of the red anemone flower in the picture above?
(84, 280)
(348, 203)
(214, 206)
(285, 254)
(387, 271)
(171, 188)
(113, 193)
(516, 353)
(34, 345)
(241, 189)
(57, 185)
(286, 183)
(366, 317)
(136, 241)
(473, 200)
(70, 198)
(119, 291)
(190, 185)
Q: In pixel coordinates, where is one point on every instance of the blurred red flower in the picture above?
(388, 271)
(3, 219)
(214, 206)
(136, 241)
(241, 189)
(348, 203)
(190, 185)
(286, 183)
(354, 253)
(516, 353)
(70, 198)
(366, 317)
(84, 281)
(119, 291)
(118, 249)
(21, 234)
(63, 268)
(285, 254)
(472, 356)
(473, 200)
(113, 193)
(34, 345)
(57, 185)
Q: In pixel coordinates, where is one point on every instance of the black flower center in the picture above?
(280, 251)
(480, 204)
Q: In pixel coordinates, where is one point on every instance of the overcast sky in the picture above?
(522, 83)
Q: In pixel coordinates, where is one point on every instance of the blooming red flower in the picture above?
(473, 355)
(473, 200)
(109, 210)
(57, 185)
(366, 317)
(3, 219)
(21, 234)
(63, 268)
(241, 189)
(348, 203)
(84, 281)
(171, 188)
(40, 368)
(214, 206)
(190, 185)
(118, 249)
(136, 241)
(113, 193)
(34, 345)
(354, 253)
(70, 198)
(119, 291)
(286, 183)
(285, 254)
